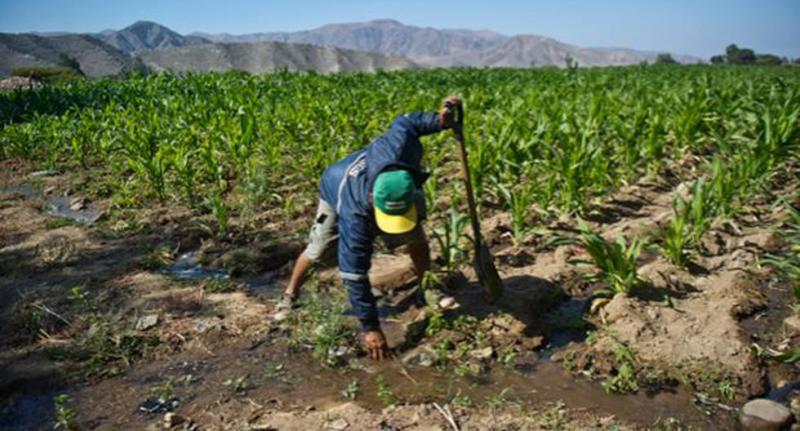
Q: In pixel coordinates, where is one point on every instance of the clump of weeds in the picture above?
(624, 378)
(65, 414)
(106, 346)
(320, 324)
(385, 393)
(350, 391)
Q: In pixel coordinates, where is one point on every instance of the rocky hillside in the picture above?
(382, 36)
(528, 51)
(263, 57)
(146, 35)
(380, 44)
(94, 57)
(435, 47)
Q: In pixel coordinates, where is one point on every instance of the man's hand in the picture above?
(375, 342)
(448, 111)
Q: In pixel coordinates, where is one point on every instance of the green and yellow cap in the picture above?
(393, 199)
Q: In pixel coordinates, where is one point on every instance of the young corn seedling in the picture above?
(701, 210)
(519, 200)
(676, 239)
(788, 262)
(615, 262)
(449, 238)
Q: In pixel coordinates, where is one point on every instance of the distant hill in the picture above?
(146, 35)
(263, 57)
(444, 48)
(381, 36)
(380, 44)
(94, 57)
(528, 51)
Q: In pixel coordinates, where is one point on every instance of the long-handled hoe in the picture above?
(484, 261)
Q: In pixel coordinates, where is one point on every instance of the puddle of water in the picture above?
(187, 267)
(60, 207)
(29, 412)
(25, 189)
(565, 324)
(272, 375)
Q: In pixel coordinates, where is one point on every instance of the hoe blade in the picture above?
(487, 273)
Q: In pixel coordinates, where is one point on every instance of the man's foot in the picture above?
(284, 307)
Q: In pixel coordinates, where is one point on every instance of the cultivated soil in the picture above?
(147, 304)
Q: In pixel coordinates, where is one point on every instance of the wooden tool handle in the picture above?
(473, 213)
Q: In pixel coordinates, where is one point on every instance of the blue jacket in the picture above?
(345, 186)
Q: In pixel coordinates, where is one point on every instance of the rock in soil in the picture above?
(146, 322)
(338, 425)
(482, 354)
(423, 356)
(793, 323)
(764, 415)
(172, 420)
(77, 203)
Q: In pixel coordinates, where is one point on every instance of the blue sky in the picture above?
(700, 27)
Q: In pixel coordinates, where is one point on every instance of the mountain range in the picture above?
(367, 46)
(445, 48)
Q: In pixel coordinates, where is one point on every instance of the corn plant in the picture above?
(615, 263)
(519, 203)
(563, 143)
(788, 262)
(676, 237)
(449, 238)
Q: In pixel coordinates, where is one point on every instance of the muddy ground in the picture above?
(146, 316)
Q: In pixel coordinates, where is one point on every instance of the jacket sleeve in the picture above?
(418, 123)
(355, 253)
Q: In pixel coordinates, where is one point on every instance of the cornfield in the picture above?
(542, 142)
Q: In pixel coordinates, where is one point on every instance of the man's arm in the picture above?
(426, 123)
(355, 252)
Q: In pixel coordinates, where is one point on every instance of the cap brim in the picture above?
(396, 224)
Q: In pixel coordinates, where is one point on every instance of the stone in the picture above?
(423, 356)
(77, 203)
(482, 354)
(282, 315)
(795, 404)
(764, 415)
(448, 303)
(338, 425)
(532, 343)
(146, 322)
(204, 325)
(172, 420)
(792, 322)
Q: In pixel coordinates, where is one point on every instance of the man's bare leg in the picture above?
(420, 254)
(299, 271)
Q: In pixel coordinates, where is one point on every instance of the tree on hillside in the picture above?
(797, 61)
(70, 62)
(665, 58)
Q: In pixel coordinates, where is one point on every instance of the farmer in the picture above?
(373, 191)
